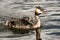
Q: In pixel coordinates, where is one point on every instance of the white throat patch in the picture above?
(38, 11)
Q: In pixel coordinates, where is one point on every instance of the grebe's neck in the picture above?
(37, 18)
(37, 22)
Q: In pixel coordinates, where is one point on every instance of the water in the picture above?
(50, 21)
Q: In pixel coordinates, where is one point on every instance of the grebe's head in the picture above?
(39, 10)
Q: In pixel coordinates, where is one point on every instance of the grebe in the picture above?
(25, 22)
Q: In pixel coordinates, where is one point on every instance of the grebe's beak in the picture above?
(45, 11)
